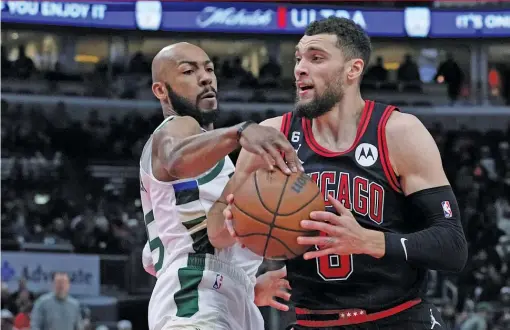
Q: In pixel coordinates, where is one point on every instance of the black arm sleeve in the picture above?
(441, 245)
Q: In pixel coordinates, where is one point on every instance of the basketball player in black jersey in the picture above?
(391, 213)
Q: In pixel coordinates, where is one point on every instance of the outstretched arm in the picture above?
(246, 164)
(182, 150)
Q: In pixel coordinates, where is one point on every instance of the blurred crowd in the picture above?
(26, 310)
(478, 167)
(132, 80)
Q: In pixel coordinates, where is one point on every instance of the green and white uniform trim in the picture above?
(176, 221)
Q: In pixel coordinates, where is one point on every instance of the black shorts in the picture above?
(420, 317)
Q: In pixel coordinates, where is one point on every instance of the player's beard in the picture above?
(321, 104)
(184, 107)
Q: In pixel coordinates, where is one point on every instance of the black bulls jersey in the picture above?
(362, 178)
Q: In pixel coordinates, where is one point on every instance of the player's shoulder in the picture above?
(402, 125)
(178, 126)
(275, 122)
(409, 142)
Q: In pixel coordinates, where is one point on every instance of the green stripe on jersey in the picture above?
(213, 174)
(186, 299)
(201, 243)
(167, 119)
(155, 242)
(192, 223)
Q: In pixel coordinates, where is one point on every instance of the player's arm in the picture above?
(416, 159)
(147, 262)
(182, 150)
(246, 164)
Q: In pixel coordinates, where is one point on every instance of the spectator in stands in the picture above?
(506, 84)
(453, 76)
(503, 160)
(21, 297)
(6, 64)
(377, 72)
(245, 78)
(7, 303)
(408, 71)
(139, 64)
(488, 163)
(448, 315)
(24, 66)
(124, 325)
(478, 320)
(7, 320)
(226, 70)
(57, 310)
(270, 73)
(22, 319)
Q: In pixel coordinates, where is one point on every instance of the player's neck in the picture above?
(208, 127)
(168, 111)
(336, 130)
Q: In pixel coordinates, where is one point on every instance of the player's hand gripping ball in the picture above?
(267, 211)
(341, 234)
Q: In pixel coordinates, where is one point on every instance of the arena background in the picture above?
(77, 108)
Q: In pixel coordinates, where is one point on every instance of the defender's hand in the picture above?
(343, 233)
(227, 213)
(267, 142)
(270, 285)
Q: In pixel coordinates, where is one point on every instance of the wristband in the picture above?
(243, 127)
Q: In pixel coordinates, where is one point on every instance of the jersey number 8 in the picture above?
(334, 267)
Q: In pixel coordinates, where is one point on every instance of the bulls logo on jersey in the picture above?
(366, 154)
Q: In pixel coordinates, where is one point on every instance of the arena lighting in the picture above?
(82, 58)
(391, 65)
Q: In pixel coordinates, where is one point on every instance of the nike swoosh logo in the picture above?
(403, 241)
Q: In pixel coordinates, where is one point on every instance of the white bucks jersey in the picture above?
(175, 215)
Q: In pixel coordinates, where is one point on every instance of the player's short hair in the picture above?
(351, 38)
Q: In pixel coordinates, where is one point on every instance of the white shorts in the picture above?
(202, 292)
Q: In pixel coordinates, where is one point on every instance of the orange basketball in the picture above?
(268, 209)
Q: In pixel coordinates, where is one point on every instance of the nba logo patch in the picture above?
(447, 210)
(218, 281)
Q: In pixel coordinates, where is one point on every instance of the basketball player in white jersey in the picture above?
(184, 168)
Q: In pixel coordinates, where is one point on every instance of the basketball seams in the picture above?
(299, 209)
(275, 238)
(275, 226)
(260, 195)
(276, 211)
(271, 225)
(253, 235)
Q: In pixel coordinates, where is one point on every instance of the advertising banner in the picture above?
(38, 269)
(268, 18)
